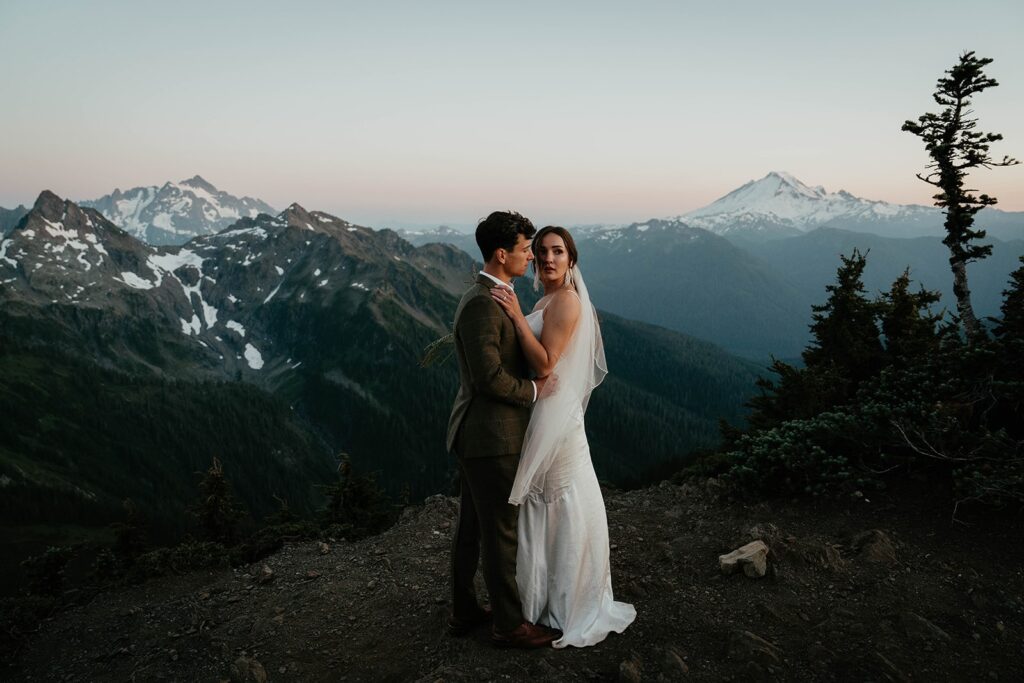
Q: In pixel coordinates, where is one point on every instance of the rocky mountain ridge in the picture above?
(211, 289)
(10, 217)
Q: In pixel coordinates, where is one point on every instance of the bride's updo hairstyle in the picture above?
(570, 245)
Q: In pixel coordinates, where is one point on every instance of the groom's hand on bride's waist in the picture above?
(546, 385)
(538, 387)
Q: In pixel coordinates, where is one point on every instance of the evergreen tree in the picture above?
(909, 327)
(844, 351)
(356, 505)
(1009, 347)
(797, 393)
(129, 535)
(283, 514)
(844, 329)
(45, 572)
(1011, 325)
(217, 512)
(956, 148)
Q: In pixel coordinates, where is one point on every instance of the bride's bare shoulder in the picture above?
(565, 303)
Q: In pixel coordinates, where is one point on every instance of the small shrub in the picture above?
(45, 572)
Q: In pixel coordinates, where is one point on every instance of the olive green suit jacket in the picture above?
(492, 407)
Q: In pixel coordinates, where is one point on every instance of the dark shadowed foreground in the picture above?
(861, 590)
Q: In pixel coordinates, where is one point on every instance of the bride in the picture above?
(562, 568)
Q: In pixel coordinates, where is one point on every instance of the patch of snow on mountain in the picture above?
(169, 262)
(258, 232)
(253, 357)
(84, 262)
(236, 326)
(271, 295)
(195, 188)
(3, 253)
(163, 221)
(129, 209)
(191, 327)
(134, 281)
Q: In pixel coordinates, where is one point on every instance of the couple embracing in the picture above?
(530, 501)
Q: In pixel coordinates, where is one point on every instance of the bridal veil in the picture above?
(581, 367)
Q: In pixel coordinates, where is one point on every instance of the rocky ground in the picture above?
(861, 590)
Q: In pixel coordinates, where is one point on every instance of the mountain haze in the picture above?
(690, 280)
(809, 262)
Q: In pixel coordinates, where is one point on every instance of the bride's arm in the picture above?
(560, 318)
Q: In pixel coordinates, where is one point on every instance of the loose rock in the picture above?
(245, 670)
(753, 558)
(629, 671)
(673, 667)
(874, 545)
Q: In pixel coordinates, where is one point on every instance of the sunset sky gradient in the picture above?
(409, 114)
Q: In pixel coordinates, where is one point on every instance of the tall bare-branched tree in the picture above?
(956, 148)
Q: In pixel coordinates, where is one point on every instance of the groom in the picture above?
(486, 433)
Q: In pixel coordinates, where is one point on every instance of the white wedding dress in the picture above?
(563, 569)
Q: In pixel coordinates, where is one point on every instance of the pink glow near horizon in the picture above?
(583, 113)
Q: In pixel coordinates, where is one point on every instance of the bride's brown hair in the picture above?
(570, 245)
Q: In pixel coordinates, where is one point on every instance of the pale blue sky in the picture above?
(393, 113)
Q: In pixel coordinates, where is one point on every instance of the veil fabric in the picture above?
(580, 368)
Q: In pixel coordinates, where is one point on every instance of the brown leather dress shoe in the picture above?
(463, 627)
(526, 636)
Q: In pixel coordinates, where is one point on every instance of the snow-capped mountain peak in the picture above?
(777, 193)
(780, 205)
(176, 212)
(197, 182)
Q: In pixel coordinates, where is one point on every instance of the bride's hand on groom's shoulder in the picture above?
(507, 299)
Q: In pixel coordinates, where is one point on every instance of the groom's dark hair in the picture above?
(500, 230)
